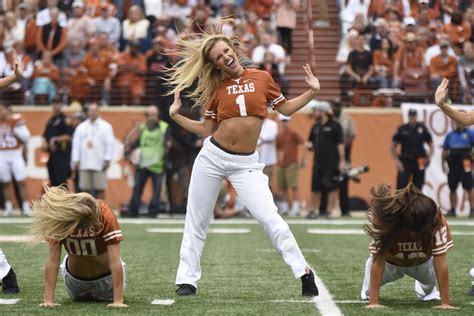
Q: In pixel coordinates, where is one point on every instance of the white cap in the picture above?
(322, 106)
(409, 21)
(78, 4)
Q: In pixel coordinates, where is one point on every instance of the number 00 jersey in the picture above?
(411, 250)
(247, 95)
(93, 241)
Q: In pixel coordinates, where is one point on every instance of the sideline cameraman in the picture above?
(325, 139)
(413, 159)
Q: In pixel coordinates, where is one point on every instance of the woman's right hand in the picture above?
(442, 92)
(174, 108)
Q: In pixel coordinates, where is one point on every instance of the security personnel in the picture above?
(457, 150)
(413, 159)
(57, 139)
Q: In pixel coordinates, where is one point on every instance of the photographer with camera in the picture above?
(413, 158)
(326, 141)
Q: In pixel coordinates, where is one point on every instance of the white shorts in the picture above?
(98, 289)
(11, 162)
(424, 275)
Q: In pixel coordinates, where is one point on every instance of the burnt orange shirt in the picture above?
(50, 71)
(410, 250)
(381, 60)
(247, 95)
(439, 67)
(93, 241)
(98, 66)
(458, 33)
(287, 143)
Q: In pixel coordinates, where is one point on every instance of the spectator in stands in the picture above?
(16, 91)
(22, 13)
(152, 138)
(57, 138)
(360, 24)
(383, 64)
(409, 66)
(458, 30)
(44, 16)
(350, 9)
(45, 78)
(266, 147)
(348, 137)
(74, 54)
(199, 18)
(92, 152)
(157, 61)
(325, 140)
(469, 17)
(263, 8)
(360, 63)
(286, 11)
(13, 32)
(466, 72)
(457, 151)
(381, 31)
(442, 66)
(417, 7)
(266, 44)
(130, 74)
(110, 25)
(99, 64)
(270, 65)
(380, 8)
(423, 38)
(180, 9)
(435, 49)
(31, 30)
(413, 158)
(80, 26)
(287, 144)
(52, 38)
(446, 9)
(135, 27)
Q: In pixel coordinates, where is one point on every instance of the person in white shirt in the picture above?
(92, 151)
(267, 147)
(267, 45)
(44, 17)
(105, 23)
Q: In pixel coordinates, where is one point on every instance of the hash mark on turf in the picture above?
(211, 230)
(9, 301)
(162, 302)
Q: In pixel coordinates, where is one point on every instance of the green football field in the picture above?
(241, 273)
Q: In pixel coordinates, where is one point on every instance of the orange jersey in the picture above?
(410, 250)
(8, 140)
(244, 96)
(93, 241)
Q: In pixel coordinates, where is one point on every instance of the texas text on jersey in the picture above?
(247, 95)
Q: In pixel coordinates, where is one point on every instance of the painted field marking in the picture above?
(302, 250)
(323, 231)
(9, 301)
(211, 230)
(16, 238)
(162, 302)
(352, 302)
(324, 302)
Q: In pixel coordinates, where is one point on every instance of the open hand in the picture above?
(174, 108)
(310, 79)
(18, 64)
(442, 92)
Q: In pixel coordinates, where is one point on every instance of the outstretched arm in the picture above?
(51, 275)
(442, 276)
(293, 105)
(460, 118)
(18, 68)
(200, 128)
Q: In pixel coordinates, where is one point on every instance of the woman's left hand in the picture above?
(310, 79)
(18, 64)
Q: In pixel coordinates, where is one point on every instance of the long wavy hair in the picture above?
(195, 65)
(407, 209)
(58, 213)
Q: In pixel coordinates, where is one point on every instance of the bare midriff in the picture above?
(88, 267)
(239, 134)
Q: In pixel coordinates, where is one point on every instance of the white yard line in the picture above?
(162, 302)
(323, 231)
(9, 301)
(16, 238)
(250, 221)
(210, 231)
(302, 250)
(324, 302)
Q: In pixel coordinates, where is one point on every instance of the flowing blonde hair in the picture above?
(58, 213)
(195, 63)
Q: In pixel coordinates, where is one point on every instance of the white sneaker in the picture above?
(26, 208)
(8, 208)
(295, 209)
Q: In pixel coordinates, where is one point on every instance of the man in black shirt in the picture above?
(57, 142)
(325, 139)
(413, 158)
(360, 64)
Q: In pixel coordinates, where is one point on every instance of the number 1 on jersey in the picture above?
(241, 103)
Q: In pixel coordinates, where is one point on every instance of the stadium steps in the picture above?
(326, 44)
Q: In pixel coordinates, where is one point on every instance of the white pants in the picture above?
(4, 266)
(245, 173)
(424, 275)
(11, 161)
(98, 289)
